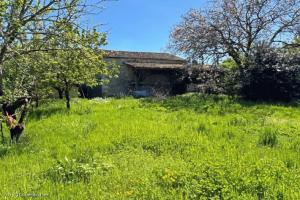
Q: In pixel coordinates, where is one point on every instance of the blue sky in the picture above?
(142, 25)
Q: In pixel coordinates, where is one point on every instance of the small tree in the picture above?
(26, 76)
(21, 22)
(80, 62)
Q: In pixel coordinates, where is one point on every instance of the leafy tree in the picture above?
(80, 62)
(233, 27)
(229, 63)
(26, 76)
(274, 75)
(21, 19)
(294, 47)
(26, 26)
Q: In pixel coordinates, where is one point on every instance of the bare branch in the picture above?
(235, 27)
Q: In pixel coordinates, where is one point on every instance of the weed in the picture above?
(71, 171)
(269, 137)
(202, 128)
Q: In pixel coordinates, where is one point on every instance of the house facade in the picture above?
(145, 74)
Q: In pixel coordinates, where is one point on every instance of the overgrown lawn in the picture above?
(185, 147)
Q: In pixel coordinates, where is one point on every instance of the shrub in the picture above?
(269, 137)
(230, 83)
(214, 80)
(207, 79)
(273, 75)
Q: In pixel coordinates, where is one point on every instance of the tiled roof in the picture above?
(142, 55)
(155, 65)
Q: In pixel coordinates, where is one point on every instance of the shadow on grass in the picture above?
(23, 146)
(210, 103)
(4, 149)
(51, 108)
(45, 113)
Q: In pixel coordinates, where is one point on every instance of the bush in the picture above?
(272, 76)
(207, 79)
(210, 79)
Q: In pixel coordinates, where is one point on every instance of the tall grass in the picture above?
(185, 147)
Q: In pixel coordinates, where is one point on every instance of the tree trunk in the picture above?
(2, 134)
(67, 99)
(37, 102)
(82, 91)
(1, 79)
(60, 92)
(67, 94)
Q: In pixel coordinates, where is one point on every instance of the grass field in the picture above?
(185, 147)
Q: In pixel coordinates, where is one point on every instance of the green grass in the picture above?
(185, 147)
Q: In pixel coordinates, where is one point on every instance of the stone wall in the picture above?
(152, 80)
(119, 86)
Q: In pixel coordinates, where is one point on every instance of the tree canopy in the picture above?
(81, 64)
(231, 28)
(21, 21)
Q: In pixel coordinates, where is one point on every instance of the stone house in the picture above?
(145, 74)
